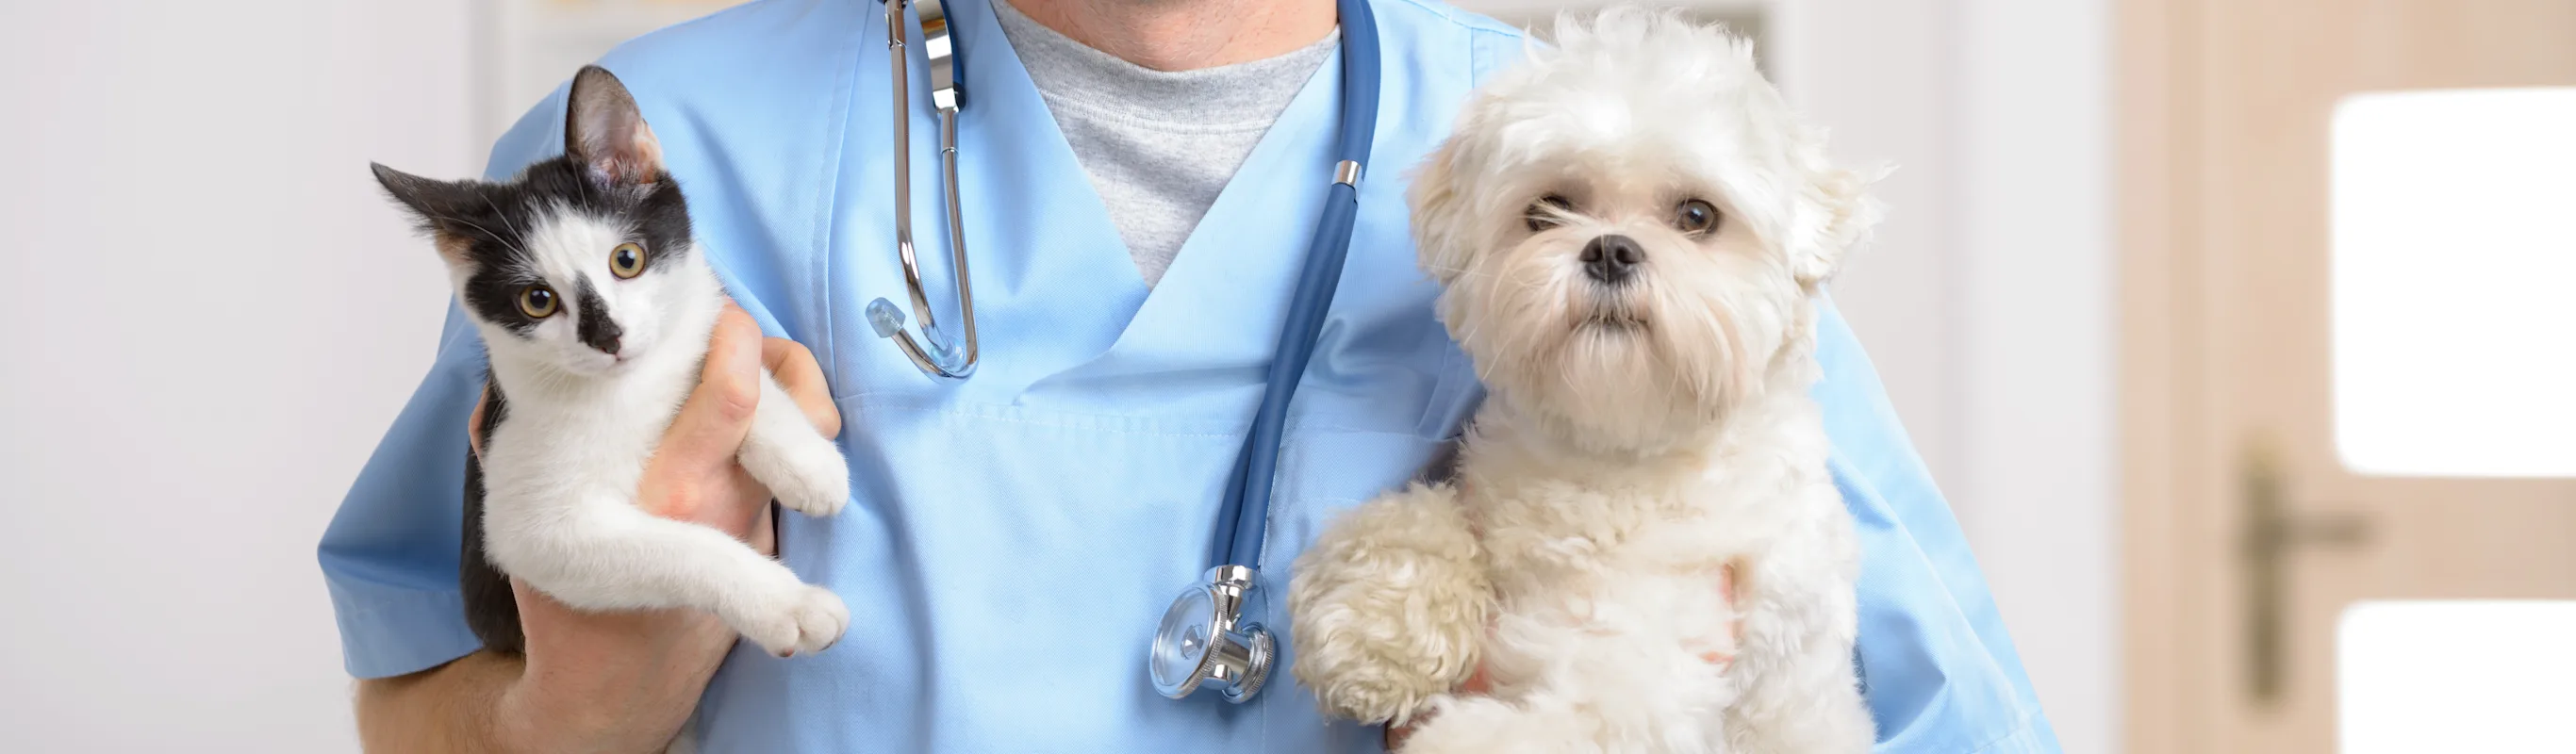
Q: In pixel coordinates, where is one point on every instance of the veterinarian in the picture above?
(1139, 182)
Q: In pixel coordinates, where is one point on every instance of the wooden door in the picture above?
(2247, 535)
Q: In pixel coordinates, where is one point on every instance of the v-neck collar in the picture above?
(1218, 307)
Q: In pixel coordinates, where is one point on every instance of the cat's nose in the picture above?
(1611, 259)
(601, 333)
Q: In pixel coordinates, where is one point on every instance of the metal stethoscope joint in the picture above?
(1205, 643)
(936, 352)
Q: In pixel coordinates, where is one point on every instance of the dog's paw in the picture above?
(803, 620)
(1369, 689)
(1388, 608)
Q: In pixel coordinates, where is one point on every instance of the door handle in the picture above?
(2270, 532)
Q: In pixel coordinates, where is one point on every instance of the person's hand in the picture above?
(1480, 683)
(626, 681)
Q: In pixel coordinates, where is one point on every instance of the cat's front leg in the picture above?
(804, 469)
(1388, 608)
(600, 552)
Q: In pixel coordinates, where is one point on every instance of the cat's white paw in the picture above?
(816, 489)
(801, 621)
(808, 475)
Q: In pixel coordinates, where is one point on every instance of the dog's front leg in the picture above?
(1389, 607)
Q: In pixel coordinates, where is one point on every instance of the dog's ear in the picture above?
(1440, 215)
(1835, 212)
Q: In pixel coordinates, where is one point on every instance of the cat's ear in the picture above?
(435, 205)
(442, 209)
(603, 128)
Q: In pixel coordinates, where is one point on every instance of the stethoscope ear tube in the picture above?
(936, 352)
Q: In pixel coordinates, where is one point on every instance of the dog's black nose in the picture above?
(1612, 259)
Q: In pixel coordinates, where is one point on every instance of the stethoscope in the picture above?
(1207, 639)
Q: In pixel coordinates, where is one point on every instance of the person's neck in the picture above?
(1182, 35)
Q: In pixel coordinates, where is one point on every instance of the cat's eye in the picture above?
(537, 301)
(627, 261)
(1547, 212)
(1695, 217)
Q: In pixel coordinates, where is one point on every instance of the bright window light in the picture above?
(2456, 676)
(2454, 223)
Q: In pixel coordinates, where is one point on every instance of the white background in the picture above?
(207, 317)
(210, 317)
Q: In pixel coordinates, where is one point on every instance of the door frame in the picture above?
(2160, 367)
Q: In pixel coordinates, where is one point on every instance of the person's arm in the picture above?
(614, 682)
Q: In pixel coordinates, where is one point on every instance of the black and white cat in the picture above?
(596, 308)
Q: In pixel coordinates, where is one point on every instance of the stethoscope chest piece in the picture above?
(1204, 642)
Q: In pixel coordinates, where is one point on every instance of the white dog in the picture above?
(1631, 228)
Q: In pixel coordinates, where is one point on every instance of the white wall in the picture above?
(207, 318)
(2038, 317)
(1988, 300)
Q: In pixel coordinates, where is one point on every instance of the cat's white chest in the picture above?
(599, 433)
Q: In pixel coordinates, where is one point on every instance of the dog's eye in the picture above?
(627, 261)
(1695, 217)
(537, 301)
(1544, 213)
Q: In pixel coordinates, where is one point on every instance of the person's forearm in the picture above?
(608, 682)
(615, 683)
(449, 708)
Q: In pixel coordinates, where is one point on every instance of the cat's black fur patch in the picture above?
(489, 222)
(597, 330)
(490, 609)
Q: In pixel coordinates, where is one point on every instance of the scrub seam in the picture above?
(2019, 728)
(1299, 426)
(829, 344)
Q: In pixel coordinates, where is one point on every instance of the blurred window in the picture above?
(2456, 676)
(2454, 254)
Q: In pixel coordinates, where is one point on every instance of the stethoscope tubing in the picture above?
(1244, 522)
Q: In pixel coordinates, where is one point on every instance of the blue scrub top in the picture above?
(1013, 538)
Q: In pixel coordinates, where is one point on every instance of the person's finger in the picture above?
(1477, 684)
(802, 378)
(764, 531)
(711, 425)
(1726, 591)
(474, 423)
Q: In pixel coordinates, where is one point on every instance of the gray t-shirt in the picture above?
(1159, 145)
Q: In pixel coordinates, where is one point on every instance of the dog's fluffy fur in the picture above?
(1648, 431)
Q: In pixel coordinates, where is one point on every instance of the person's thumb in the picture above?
(711, 426)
